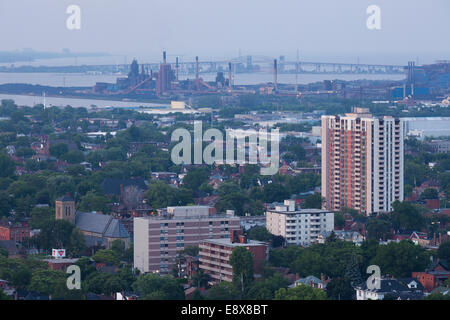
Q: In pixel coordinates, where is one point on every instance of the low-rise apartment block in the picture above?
(215, 255)
(298, 226)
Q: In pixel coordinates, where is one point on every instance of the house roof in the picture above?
(116, 230)
(10, 246)
(65, 198)
(394, 286)
(113, 186)
(100, 223)
(92, 222)
(307, 280)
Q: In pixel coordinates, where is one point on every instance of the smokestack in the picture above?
(296, 77)
(229, 76)
(196, 72)
(176, 67)
(196, 68)
(275, 70)
(164, 57)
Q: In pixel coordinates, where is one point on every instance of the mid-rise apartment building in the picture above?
(362, 161)
(215, 255)
(158, 239)
(298, 226)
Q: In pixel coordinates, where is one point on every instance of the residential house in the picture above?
(401, 289)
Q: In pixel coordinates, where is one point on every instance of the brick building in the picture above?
(158, 239)
(60, 264)
(215, 255)
(433, 277)
(16, 231)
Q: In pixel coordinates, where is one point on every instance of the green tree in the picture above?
(259, 234)
(353, 272)
(301, 292)
(3, 296)
(265, 289)
(313, 201)
(160, 195)
(191, 251)
(340, 289)
(275, 192)
(242, 262)
(429, 193)
(156, 287)
(47, 281)
(201, 279)
(339, 220)
(437, 296)
(223, 291)
(237, 201)
(21, 277)
(95, 202)
(378, 229)
(40, 216)
(444, 251)
(6, 204)
(106, 256)
(195, 178)
(406, 216)
(59, 149)
(55, 234)
(4, 253)
(118, 246)
(401, 259)
(77, 242)
(7, 166)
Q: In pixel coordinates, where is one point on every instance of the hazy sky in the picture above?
(320, 29)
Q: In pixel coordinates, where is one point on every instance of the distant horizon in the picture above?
(156, 57)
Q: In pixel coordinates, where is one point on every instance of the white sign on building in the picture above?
(58, 253)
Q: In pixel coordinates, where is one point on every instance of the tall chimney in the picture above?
(196, 68)
(275, 70)
(196, 72)
(229, 76)
(164, 57)
(177, 67)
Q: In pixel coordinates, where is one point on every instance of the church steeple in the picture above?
(65, 209)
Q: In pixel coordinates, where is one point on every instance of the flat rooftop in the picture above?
(300, 211)
(227, 242)
(61, 260)
(188, 217)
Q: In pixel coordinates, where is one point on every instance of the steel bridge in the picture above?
(265, 65)
(256, 64)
